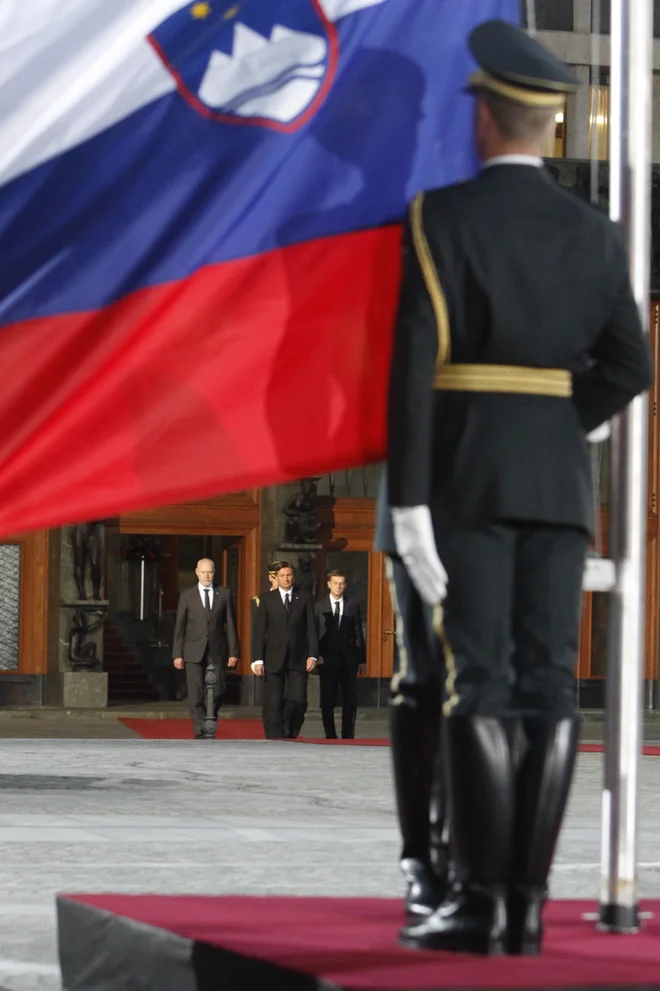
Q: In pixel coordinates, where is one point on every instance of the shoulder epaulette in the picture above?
(256, 599)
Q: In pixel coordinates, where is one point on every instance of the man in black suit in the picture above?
(341, 645)
(205, 632)
(285, 650)
(517, 335)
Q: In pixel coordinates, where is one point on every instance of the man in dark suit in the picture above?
(205, 633)
(341, 645)
(285, 651)
(517, 335)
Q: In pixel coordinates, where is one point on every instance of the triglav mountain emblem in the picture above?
(276, 77)
(271, 66)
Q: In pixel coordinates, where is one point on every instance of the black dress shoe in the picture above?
(472, 921)
(426, 889)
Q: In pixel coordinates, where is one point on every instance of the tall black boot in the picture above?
(481, 809)
(415, 736)
(542, 788)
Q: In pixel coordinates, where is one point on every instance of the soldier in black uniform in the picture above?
(517, 335)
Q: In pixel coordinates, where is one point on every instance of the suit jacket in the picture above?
(285, 638)
(509, 269)
(345, 642)
(194, 631)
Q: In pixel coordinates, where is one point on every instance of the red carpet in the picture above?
(227, 729)
(252, 729)
(351, 943)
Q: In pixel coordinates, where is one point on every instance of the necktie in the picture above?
(287, 602)
(207, 602)
(337, 615)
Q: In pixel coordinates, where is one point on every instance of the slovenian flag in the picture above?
(200, 208)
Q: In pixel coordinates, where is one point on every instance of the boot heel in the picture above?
(525, 932)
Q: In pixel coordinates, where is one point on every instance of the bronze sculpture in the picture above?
(87, 550)
(300, 510)
(82, 655)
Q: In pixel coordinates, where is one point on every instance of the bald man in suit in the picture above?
(205, 632)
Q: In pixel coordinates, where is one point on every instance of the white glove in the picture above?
(415, 545)
(257, 668)
(600, 434)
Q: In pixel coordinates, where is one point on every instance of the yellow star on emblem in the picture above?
(232, 12)
(200, 10)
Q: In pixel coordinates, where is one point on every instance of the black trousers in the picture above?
(195, 674)
(419, 667)
(512, 618)
(285, 702)
(336, 672)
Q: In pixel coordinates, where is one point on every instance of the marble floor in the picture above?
(252, 817)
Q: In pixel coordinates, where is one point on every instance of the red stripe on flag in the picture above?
(248, 373)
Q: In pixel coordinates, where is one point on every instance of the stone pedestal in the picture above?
(84, 689)
(313, 692)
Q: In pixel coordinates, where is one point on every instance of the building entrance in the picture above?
(145, 573)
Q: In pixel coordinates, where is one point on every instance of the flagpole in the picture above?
(630, 190)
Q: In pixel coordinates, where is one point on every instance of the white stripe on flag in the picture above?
(71, 68)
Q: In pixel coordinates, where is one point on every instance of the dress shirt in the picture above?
(532, 160)
(284, 592)
(203, 589)
(333, 605)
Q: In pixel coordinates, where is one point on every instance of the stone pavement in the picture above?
(221, 817)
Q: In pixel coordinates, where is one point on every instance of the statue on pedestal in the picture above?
(300, 510)
(87, 550)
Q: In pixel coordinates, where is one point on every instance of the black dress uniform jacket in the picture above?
(509, 269)
(285, 638)
(194, 631)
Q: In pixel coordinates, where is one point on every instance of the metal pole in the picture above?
(630, 186)
(530, 6)
(142, 587)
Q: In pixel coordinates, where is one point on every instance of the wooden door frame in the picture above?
(33, 602)
(652, 591)
(227, 516)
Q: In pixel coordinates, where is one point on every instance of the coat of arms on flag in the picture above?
(270, 65)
